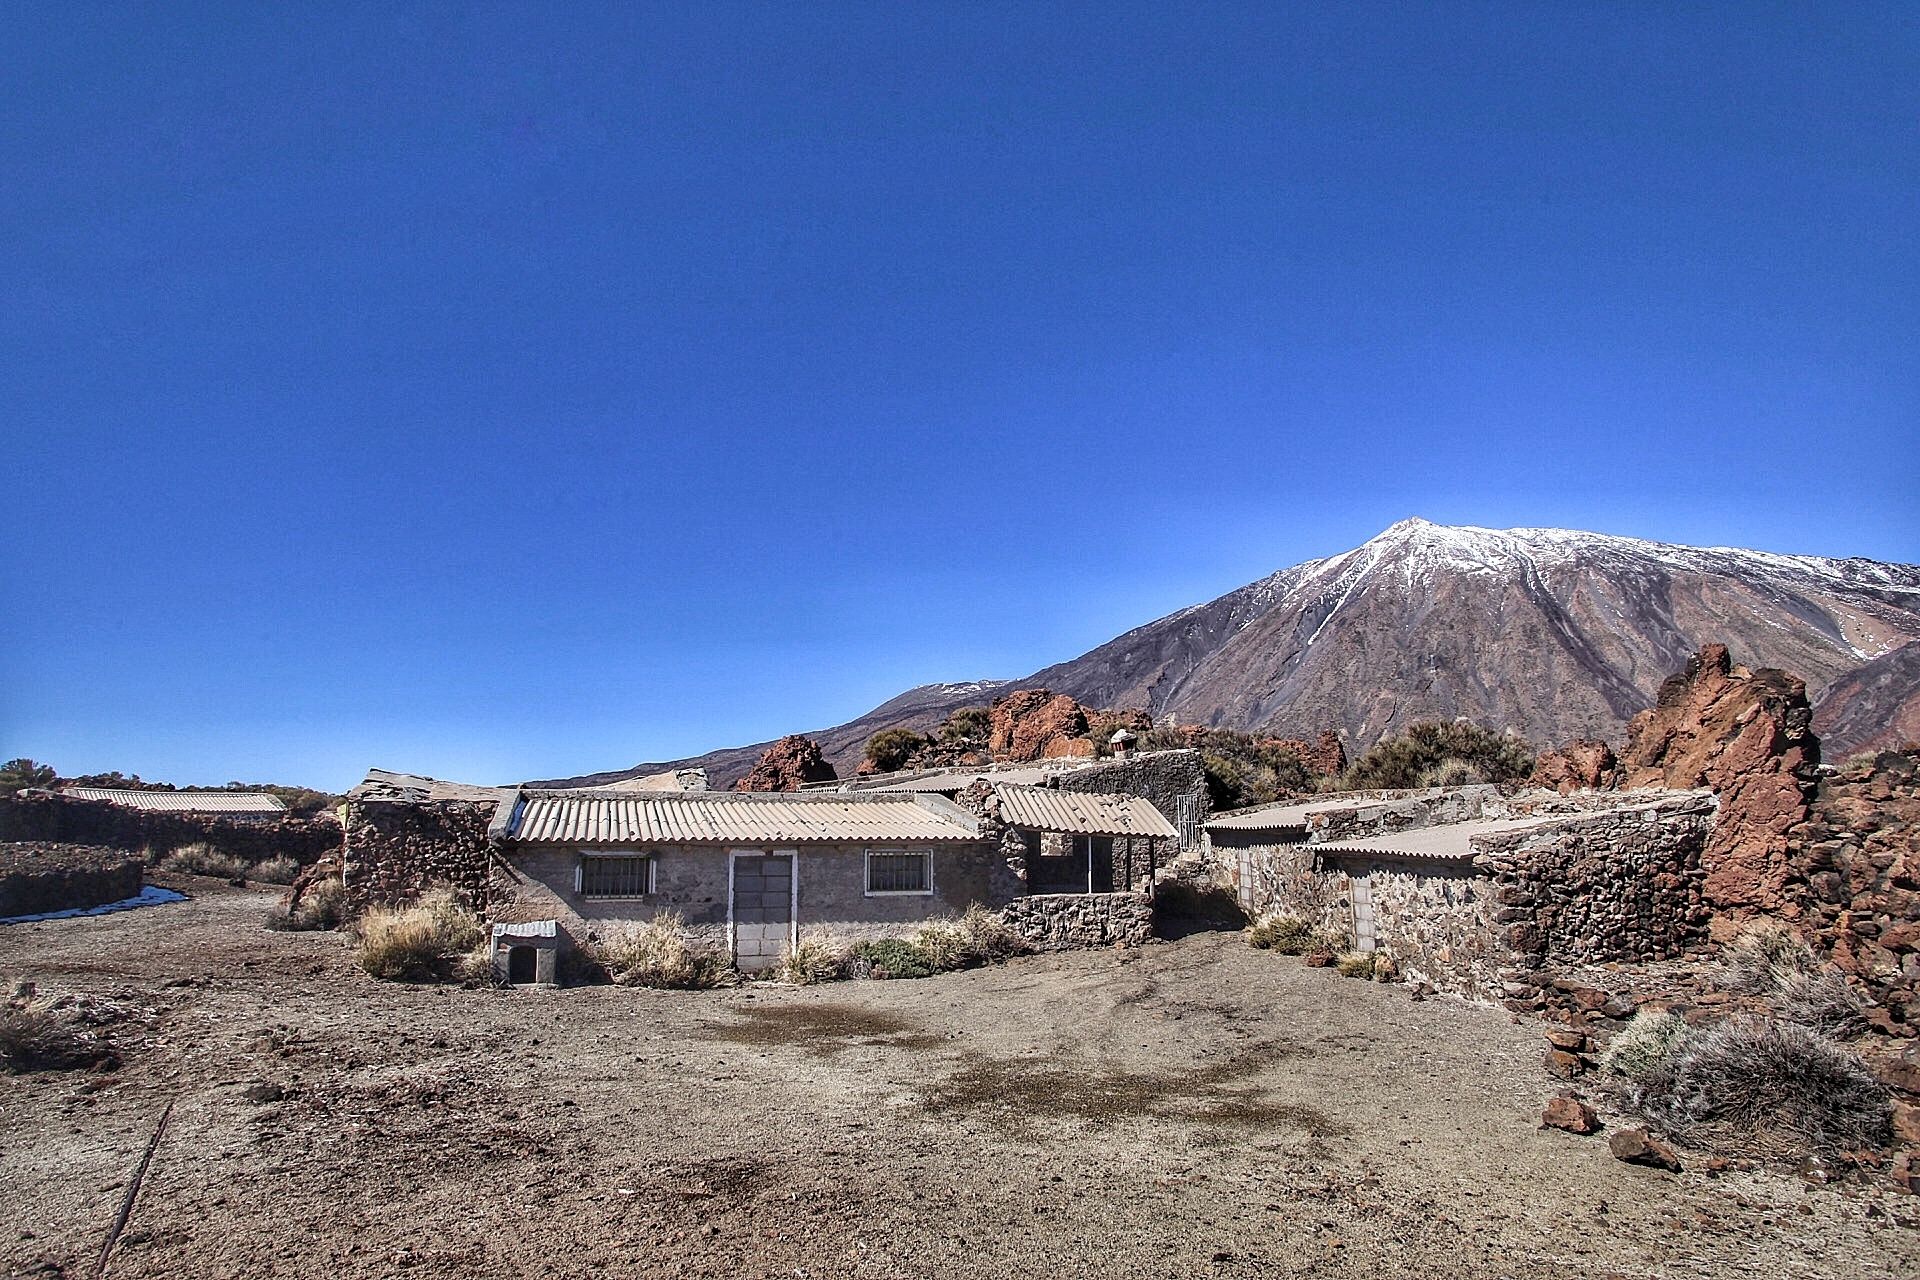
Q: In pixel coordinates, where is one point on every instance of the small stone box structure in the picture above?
(528, 954)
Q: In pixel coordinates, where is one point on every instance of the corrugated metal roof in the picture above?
(184, 801)
(951, 780)
(1453, 840)
(1275, 817)
(733, 818)
(1080, 812)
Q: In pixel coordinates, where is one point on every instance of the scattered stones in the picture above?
(1563, 1064)
(1571, 1114)
(1567, 1038)
(1637, 1146)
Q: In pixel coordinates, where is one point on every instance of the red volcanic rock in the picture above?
(785, 765)
(1586, 765)
(1569, 1113)
(1747, 735)
(1038, 724)
(1325, 756)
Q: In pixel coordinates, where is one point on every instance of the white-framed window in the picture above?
(614, 875)
(892, 871)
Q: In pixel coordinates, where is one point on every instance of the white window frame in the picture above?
(580, 874)
(866, 873)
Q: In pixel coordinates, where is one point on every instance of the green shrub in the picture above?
(968, 724)
(426, 942)
(204, 860)
(1355, 964)
(1759, 1086)
(1644, 1044)
(891, 958)
(657, 953)
(1434, 749)
(1449, 773)
(890, 749)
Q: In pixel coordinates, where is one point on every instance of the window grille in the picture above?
(899, 871)
(625, 877)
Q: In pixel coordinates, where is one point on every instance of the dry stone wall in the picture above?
(61, 819)
(396, 851)
(37, 876)
(1069, 921)
(1172, 781)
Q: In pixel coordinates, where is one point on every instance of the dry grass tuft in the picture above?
(276, 870)
(1355, 964)
(1764, 955)
(823, 957)
(34, 1038)
(1288, 935)
(1822, 1002)
(425, 942)
(1645, 1044)
(1761, 1086)
(204, 860)
(657, 953)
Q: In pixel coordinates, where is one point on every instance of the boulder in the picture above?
(787, 764)
(1563, 1064)
(1637, 1146)
(1586, 765)
(1569, 1113)
(1037, 724)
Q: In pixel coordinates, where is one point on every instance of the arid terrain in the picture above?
(1190, 1108)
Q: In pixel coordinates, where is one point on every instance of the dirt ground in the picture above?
(1193, 1108)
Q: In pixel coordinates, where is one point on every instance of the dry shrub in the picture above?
(1821, 1001)
(425, 942)
(823, 957)
(1645, 1044)
(656, 953)
(204, 860)
(1764, 955)
(1289, 935)
(1760, 1086)
(1355, 964)
(322, 906)
(976, 938)
(275, 870)
(34, 1038)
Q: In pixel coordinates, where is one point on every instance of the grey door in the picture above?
(1363, 928)
(762, 909)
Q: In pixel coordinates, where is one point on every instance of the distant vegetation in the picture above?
(890, 749)
(18, 775)
(1440, 755)
(1241, 769)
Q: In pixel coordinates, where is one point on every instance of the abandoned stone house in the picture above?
(1464, 886)
(752, 872)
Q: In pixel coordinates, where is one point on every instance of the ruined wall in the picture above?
(39, 876)
(1068, 921)
(396, 850)
(61, 819)
(1173, 781)
(1858, 857)
(1457, 804)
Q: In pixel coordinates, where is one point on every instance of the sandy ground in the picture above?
(1194, 1108)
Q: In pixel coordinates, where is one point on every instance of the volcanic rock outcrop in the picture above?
(1586, 765)
(785, 765)
(1038, 724)
(1747, 735)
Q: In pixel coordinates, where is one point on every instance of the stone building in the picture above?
(753, 872)
(1464, 886)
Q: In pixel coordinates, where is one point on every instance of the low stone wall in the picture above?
(39, 876)
(1459, 804)
(50, 817)
(396, 850)
(1069, 921)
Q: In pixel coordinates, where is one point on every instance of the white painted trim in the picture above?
(866, 873)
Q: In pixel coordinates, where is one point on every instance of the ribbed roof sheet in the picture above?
(184, 801)
(1080, 812)
(1453, 840)
(951, 780)
(731, 818)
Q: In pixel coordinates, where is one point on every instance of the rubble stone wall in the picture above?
(397, 850)
(1173, 781)
(1458, 804)
(39, 876)
(1068, 921)
(60, 819)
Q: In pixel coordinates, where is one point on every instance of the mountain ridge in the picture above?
(1554, 633)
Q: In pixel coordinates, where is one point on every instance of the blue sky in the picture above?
(508, 391)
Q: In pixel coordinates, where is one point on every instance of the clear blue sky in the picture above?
(517, 391)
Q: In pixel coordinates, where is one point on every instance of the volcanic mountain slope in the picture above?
(1553, 633)
(1872, 708)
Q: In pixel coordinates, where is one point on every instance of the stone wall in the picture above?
(38, 876)
(1856, 870)
(1069, 921)
(61, 819)
(396, 850)
(1170, 780)
(1432, 809)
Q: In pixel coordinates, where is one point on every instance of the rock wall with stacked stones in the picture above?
(1172, 781)
(60, 819)
(1070, 921)
(37, 876)
(397, 850)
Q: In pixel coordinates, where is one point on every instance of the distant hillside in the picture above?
(1553, 633)
(1872, 708)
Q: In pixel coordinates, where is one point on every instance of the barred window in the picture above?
(899, 871)
(615, 877)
